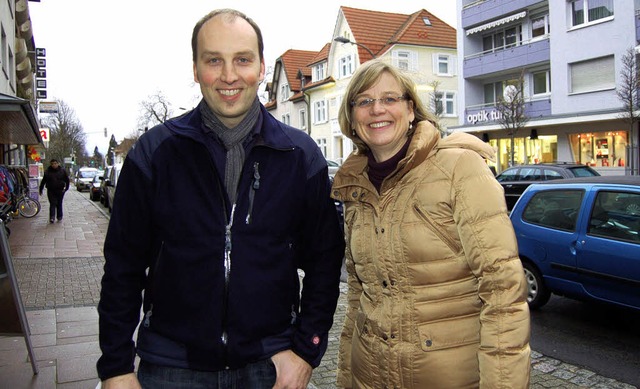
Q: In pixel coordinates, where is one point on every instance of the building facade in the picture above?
(420, 44)
(567, 59)
(18, 119)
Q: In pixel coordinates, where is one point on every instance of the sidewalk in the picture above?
(59, 267)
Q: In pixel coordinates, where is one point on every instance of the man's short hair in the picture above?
(232, 14)
(54, 160)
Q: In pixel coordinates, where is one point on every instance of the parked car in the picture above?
(83, 178)
(103, 186)
(580, 238)
(94, 192)
(111, 183)
(516, 179)
(333, 167)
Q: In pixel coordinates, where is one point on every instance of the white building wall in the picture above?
(7, 51)
(572, 44)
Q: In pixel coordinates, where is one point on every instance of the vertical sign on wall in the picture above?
(41, 73)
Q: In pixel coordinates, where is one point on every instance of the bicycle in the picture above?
(27, 206)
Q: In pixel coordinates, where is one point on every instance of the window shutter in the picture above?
(434, 63)
(414, 66)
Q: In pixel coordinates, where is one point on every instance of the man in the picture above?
(56, 181)
(215, 212)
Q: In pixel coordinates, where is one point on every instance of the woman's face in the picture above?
(383, 125)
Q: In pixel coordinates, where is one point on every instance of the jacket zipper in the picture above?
(227, 274)
(255, 185)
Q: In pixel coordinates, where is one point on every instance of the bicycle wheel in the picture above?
(28, 207)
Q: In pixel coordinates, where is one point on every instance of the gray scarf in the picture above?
(232, 139)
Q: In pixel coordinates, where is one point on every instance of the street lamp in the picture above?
(342, 39)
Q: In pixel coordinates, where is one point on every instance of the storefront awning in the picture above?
(18, 124)
(497, 23)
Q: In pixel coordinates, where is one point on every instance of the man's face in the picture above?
(228, 67)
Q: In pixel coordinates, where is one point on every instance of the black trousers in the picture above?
(55, 204)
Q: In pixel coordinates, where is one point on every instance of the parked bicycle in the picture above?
(15, 205)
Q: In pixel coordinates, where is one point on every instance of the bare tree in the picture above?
(155, 110)
(627, 92)
(67, 135)
(437, 105)
(511, 107)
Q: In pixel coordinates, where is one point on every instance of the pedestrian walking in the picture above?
(215, 212)
(56, 180)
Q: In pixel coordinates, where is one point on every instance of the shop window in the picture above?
(600, 149)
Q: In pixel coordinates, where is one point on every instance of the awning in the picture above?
(18, 124)
(497, 23)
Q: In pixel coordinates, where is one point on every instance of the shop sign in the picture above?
(484, 116)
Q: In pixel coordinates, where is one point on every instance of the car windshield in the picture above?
(88, 173)
(584, 172)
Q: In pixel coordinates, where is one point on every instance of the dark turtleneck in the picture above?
(378, 171)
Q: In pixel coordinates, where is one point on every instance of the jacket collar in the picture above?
(351, 182)
(271, 133)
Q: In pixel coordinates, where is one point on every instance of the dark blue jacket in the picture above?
(170, 215)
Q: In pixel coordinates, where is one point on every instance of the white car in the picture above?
(84, 177)
(110, 184)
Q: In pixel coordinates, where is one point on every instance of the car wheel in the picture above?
(537, 292)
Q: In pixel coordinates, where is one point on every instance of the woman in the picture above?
(437, 296)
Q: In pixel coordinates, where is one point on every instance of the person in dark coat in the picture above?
(56, 180)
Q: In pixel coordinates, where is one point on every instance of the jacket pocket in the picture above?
(437, 228)
(455, 332)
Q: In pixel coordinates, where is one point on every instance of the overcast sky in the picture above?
(105, 57)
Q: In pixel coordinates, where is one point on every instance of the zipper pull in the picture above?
(294, 315)
(255, 185)
(147, 317)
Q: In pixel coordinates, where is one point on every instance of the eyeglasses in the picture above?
(387, 101)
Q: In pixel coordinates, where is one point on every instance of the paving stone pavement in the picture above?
(59, 266)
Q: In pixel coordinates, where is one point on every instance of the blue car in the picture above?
(579, 238)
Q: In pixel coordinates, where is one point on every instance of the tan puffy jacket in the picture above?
(437, 295)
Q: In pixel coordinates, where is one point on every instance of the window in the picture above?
(540, 26)
(445, 103)
(616, 215)
(557, 209)
(318, 72)
(320, 111)
(286, 119)
(592, 75)
(405, 60)
(3, 50)
(502, 38)
(302, 114)
(587, 11)
(541, 83)
(444, 64)
(345, 67)
(494, 91)
(284, 92)
(322, 144)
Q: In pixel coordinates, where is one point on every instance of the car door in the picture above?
(609, 246)
(548, 235)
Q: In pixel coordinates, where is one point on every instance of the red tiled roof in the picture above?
(378, 30)
(321, 55)
(294, 60)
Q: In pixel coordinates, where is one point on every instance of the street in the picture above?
(605, 338)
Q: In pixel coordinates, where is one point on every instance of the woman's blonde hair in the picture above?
(364, 78)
